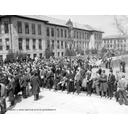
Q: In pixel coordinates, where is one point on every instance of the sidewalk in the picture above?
(61, 103)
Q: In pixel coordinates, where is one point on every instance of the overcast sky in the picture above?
(102, 22)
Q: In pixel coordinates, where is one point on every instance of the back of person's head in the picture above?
(111, 71)
(103, 71)
(123, 76)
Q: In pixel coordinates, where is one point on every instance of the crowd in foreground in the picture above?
(72, 76)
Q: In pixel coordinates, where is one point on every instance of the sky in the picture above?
(102, 22)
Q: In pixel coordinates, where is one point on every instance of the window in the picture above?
(77, 35)
(62, 54)
(74, 45)
(39, 29)
(6, 30)
(48, 44)
(88, 36)
(83, 35)
(52, 32)
(34, 44)
(26, 28)
(58, 34)
(0, 28)
(61, 44)
(61, 32)
(19, 25)
(48, 34)
(40, 55)
(33, 29)
(74, 34)
(7, 44)
(52, 44)
(58, 53)
(124, 40)
(1, 57)
(65, 33)
(1, 45)
(40, 44)
(20, 43)
(27, 44)
(65, 45)
(34, 56)
(58, 44)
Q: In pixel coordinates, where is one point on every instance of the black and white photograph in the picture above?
(63, 64)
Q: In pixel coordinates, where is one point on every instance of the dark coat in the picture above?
(35, 82)
(103, 83)
(99, 71)
(16, 85)
(11, 90)
(111, 79)
(24, 81)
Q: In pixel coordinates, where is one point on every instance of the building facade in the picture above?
(33, 34)
(115, 42)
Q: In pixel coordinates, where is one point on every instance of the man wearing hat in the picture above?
(35, 83)
(111, 81)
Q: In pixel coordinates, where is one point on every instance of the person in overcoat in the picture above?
(111, 81)
(35, 83)
(70, 82)
(103, 84)
(3, 95)
(97, 83)
(16, 85)
(77, 82)
(89, 82)
(11, 89)
(24, 83)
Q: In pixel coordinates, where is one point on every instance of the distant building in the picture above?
(32, 34)
(115, 42)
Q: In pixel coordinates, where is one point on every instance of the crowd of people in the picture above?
(73, 76)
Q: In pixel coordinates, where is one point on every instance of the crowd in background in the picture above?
(73, 76)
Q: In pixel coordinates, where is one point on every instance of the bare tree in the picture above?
(121, 24)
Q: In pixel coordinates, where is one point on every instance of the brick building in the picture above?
(32, 34)
(115, 42)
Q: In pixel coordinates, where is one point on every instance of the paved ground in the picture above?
(60, 103)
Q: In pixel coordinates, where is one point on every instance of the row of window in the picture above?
(81, 35)
(98, 36)
(20, 44)
(27, 31)
(116, 40)
(64, 33)
(20, 30)
(115, 46)
(59, 54)
(63, 45)
(34, 46)
(60, 32)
